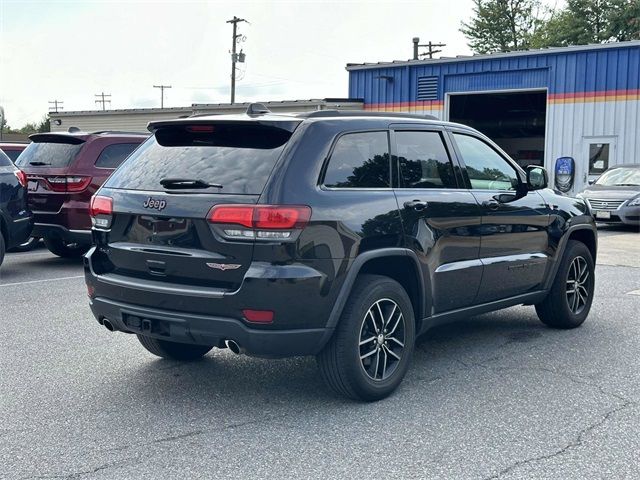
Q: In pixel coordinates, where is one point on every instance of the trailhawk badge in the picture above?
(224, 266)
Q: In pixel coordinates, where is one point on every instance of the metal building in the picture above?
(136, 119)
(581, 102)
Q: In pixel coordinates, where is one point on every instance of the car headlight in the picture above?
(580, 196)
(634, 202)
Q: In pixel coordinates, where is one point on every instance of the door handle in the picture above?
(491, 204)
(417, 205)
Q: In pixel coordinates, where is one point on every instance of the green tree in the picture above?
(502, 25)
(590, 21)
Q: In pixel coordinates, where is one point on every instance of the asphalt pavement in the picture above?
(495, 396)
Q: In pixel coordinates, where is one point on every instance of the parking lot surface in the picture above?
(495, 396)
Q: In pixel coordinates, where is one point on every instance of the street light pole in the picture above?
(234, 57)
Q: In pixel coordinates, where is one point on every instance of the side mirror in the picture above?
(537, 178)
(591, 182)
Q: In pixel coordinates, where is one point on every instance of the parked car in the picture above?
(615, 196)
(12, 149)
(16, 221)
(337, 234)
(64, 170)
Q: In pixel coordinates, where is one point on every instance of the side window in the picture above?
(424, 162)
(486, 168)
(113, 155)
(359, 160)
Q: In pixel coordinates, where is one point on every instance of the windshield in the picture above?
(48, 154)
(620, 177)
(239, 158)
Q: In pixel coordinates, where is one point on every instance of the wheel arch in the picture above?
(585, 233)
(389, 262)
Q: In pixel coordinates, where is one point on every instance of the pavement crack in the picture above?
(579, 439)
(82, 473)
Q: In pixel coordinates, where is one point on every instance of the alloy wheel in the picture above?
(578, 285)
(382, 339)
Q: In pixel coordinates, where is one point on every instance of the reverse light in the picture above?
(260, 222)
(22, 177)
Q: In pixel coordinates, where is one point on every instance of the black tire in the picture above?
(562, 308)
(59, 247)
(341, 362)
(2, 247)
(27, 246)
(173, 350)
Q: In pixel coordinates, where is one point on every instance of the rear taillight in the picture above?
(258, 316)
(260, 222)
(101, 210)
(72, 184)
(22, 177)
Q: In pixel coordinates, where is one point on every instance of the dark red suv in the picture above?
(64, 170)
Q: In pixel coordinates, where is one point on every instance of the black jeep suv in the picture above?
(337, 234)
(16, 221)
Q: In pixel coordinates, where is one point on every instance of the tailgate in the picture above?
(166, 237)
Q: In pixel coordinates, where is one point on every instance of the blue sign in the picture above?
(564, 166)
(565, 170)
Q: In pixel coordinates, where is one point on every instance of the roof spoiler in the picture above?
(67, 138)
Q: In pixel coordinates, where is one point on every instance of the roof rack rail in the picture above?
(362, 113)
(117, 132)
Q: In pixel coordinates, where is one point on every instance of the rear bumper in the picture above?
(69, 236)
(300, 296)
(207, 330)
(20, 230)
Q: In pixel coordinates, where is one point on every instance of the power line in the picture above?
(55, 106)
(103, 98)
(162, 87)
(431, 48)
(235, 57)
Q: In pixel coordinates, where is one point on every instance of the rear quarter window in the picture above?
(359, 160)
(113, 155)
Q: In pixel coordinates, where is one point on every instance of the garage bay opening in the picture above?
(515, 121)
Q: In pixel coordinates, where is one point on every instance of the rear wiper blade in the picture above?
(39, 164)
(175, 183)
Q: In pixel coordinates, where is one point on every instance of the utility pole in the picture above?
(431, 47)
(55, 105)
(103, 99)
(162, 87)
(234, 56)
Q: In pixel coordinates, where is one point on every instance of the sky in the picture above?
(72, 50)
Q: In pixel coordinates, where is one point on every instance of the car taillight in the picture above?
(100, 210)
(260, 222)
(68, 183)
(22, 177)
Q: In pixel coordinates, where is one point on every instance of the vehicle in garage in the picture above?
(64, 170)
(16, 221)
(337, 234)
(615, 196)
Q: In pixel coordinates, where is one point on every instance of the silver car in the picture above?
(615, 196)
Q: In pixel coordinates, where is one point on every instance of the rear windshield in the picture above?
(48, 155)
(13, 154)
(238, 157)
(5, 161)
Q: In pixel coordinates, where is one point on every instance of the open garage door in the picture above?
(515, 121)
